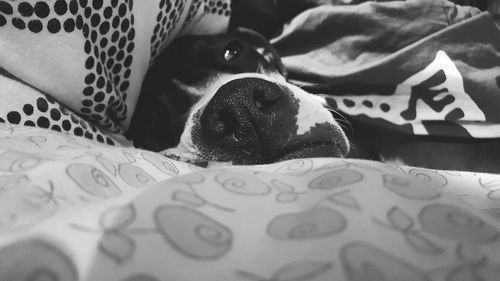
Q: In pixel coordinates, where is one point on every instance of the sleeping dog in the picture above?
(225, 98)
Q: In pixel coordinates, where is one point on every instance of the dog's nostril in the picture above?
(264, 100)
(259, 100)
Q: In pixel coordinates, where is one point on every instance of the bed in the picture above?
(84, 204)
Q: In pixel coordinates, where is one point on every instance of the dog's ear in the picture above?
(262, 45)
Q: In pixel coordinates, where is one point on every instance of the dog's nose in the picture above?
(244, 113)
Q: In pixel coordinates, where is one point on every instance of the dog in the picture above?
(225, 98)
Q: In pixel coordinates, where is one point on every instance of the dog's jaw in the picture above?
(311, 117)
(185, 151)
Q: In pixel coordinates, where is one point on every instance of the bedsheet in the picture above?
(74, 209)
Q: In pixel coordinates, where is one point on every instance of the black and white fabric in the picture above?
(76, 66)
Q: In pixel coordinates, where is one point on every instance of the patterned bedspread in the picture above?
(72, 209)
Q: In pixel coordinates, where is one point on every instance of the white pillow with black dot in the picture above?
(76, 66)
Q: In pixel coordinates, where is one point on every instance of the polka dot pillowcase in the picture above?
(76, 66)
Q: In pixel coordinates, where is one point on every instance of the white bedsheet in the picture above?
(72, 209)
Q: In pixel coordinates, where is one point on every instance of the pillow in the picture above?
(77, 66)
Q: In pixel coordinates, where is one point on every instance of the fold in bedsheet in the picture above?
(420, 67)
(72, 209)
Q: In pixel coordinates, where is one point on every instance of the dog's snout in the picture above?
(251, 120)
(242, 112)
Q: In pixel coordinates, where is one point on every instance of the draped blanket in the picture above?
(420, 67)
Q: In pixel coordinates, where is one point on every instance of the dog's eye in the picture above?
(232, 50)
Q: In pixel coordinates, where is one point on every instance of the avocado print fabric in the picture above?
(73, 209)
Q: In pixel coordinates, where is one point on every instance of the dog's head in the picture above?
(225, 98)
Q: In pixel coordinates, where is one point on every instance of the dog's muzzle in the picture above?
(254, 121)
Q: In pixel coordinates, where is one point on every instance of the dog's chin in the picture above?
(313, 150)
(310, 150)
(322, 143)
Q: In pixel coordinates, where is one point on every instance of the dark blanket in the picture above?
(420, 66)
